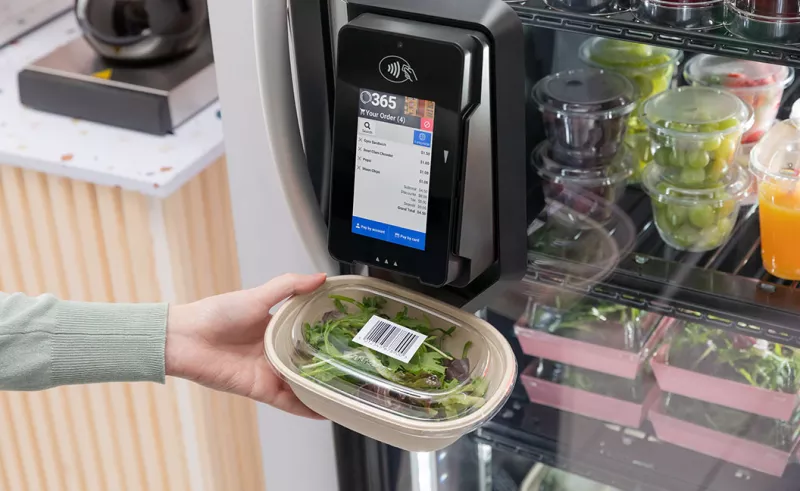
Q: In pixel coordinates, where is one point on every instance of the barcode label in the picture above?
(390, 339)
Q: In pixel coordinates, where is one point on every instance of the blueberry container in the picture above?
(389, 363)
(585, 114)
(695, 134)
(607, 182)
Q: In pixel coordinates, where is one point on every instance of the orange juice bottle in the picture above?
(775, 162)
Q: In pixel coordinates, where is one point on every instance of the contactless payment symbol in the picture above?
(396, 69)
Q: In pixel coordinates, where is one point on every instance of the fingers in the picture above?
(287, 401)
(287, 285)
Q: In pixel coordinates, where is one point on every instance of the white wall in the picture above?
(278, 225)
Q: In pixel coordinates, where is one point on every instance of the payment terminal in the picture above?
(428, 164)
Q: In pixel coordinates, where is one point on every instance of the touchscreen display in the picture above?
(393, 160)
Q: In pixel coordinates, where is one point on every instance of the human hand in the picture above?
(218, 342)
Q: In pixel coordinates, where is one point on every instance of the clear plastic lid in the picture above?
(612, 53)
(590, 320)
(777, 155)
(376, 346)
(586, 92)
(696, 112)
(579, 236)
(615, 172)
(741, 75)
(734, 186)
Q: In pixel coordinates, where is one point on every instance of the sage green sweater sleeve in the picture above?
(46, 342)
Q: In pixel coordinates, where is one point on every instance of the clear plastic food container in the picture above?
(775, 162)
(758, 84)
(651, 68)
(588, 393)
(774, 433)
(585, 114)
(688, 14)
(586, 332)
(607, 182)
(567, 240)
(695, 220)
(695, 133)
(729, 369)
(773, 22)
(390, 363)
(591, 7)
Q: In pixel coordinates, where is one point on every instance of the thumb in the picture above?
(287, 285)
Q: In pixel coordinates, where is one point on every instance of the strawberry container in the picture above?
(588, 333)
(733, 370)
(390, 363)
(763, 445)
(589, 393)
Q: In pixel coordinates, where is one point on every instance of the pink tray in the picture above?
(723, 446)
(581, 354)
(588, 403)
(756, 400)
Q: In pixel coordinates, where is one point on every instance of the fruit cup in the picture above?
(683, 14)
(695, 133)
(764, 20)
(758, 84)
(775, 161)
(650, 68)
(695, 220)
(585, 114)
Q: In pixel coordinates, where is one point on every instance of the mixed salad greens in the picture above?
(596, 382)
(594, 321)
(772, 432)
(735, 357)
(434, 384)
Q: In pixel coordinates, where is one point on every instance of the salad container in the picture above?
(758, 84)
(568, 242)
(545, 478)
(705, 432)
(598, 335)
(585, 113)
(696, 220)
(696, 133)
(686, 14)
(390, 363)
(650, 68)
(588, 393)
(775, 162)
(772, 22)
(607, 182)
(732, 370)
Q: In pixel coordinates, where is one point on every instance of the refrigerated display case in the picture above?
(615, 275)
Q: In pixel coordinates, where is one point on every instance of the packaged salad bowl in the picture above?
(586, 332)
(758, 84)
(734, 370)
(390, 363)
(695, 132)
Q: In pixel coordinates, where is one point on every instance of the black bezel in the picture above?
(440, 69)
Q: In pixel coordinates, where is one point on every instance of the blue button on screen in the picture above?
(422, 138)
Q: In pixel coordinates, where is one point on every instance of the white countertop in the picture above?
(152, 165)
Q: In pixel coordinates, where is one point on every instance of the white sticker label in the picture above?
(391, 339)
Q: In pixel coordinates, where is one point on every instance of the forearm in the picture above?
(45, 342)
